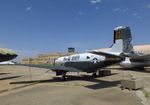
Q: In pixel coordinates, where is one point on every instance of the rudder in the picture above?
(122, 40)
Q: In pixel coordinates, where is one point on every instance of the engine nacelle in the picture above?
(128, 64)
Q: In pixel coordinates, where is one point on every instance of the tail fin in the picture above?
(122, 40)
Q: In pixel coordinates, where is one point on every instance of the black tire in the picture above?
(94, 75)
(63, 78)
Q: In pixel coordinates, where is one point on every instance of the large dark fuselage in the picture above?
(7, 57)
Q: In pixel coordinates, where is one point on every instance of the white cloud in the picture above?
(28, 8)
(95, 1)
(125, 10)
(121, 10)
(116, 9)
(148, 6)
(137, 15)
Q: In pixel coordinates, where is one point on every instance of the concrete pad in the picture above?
(80, 89)
(45, 94)
(132, 83)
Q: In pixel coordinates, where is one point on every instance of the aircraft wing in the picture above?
(107, 55)
(63, 68)
(141, 58)
(53, 68)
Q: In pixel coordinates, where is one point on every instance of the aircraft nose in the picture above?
(12, 56)
(7, 54)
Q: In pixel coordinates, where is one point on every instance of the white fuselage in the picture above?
(80, 58)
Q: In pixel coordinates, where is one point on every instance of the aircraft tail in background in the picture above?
(122, 41)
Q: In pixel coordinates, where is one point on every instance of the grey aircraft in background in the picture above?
(133, 60)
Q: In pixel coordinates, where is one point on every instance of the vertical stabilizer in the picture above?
(122, 40)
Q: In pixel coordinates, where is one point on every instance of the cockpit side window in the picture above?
(87, 57)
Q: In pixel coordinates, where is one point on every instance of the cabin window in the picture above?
(69, 59)
(75, 58)
(87, 57)
(65, 59)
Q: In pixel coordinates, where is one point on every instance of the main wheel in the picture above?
(63, 78)
(94, 75)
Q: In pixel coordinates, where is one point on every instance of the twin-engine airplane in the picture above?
(90, 62)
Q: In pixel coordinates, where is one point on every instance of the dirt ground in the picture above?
(21, 85)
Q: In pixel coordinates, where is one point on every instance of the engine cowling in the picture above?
(127, 63)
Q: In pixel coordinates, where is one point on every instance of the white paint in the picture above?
(80, 57)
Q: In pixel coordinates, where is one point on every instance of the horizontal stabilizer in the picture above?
(107, 55)
(141, 58)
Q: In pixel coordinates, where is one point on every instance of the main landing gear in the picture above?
(101, 73)
(63, 78)
(94, 75)
(63, 75)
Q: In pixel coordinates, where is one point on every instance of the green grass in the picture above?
(146, 94)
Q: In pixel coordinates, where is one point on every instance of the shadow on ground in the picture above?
(99, 83)
(4, 73)
(12, 77)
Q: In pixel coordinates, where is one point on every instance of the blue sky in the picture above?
(40, 26)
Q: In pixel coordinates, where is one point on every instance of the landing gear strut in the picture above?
(63, 78)
(94, 75)
(63, 75)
